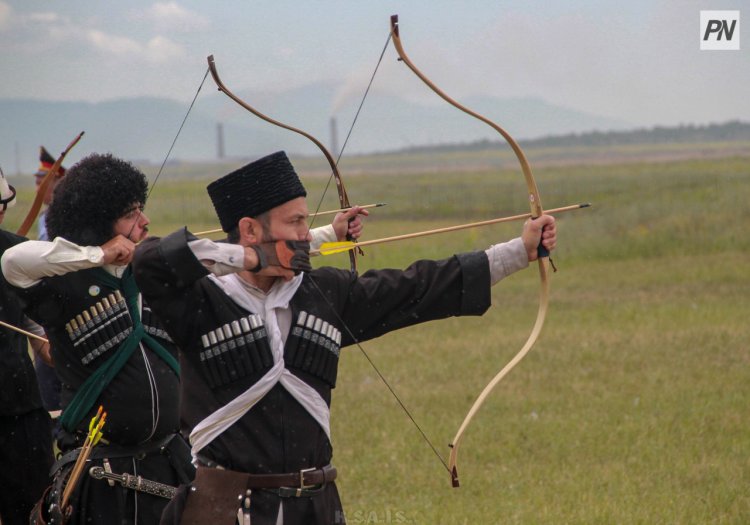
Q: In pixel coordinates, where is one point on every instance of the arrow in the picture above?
(92, 438)
(24, 332)
(330, 248)
(329, 212)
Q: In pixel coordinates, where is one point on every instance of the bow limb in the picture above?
(343, 197)
(535, 205)
(36, 206)
(541, 314)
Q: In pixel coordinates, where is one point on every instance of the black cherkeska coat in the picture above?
(277, 435)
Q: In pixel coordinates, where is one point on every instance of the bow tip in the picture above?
(454, 478)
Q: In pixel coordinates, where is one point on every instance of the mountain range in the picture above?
(142, 129)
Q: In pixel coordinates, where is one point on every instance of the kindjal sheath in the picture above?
(136, 483)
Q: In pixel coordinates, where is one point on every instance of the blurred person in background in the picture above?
(49, 384)
(25, 427)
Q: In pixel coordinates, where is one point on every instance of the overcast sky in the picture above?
(636, 60)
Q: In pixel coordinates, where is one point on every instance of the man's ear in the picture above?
(251, 231)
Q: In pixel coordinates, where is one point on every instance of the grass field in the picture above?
(633, 405)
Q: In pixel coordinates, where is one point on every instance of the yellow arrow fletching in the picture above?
(96, 433)
(330, 248)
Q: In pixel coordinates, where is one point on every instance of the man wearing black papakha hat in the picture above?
(109, 348)
(260, 334)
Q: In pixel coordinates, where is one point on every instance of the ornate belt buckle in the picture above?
(302, 485)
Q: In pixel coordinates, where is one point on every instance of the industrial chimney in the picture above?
(220, 141)
(334, 139)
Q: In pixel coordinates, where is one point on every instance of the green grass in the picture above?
(633, 405)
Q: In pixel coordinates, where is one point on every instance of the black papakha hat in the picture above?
(255, 189)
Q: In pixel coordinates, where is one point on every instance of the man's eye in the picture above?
(132, 214)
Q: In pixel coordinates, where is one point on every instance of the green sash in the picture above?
(90, 390)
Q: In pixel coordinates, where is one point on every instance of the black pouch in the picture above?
(48, 510)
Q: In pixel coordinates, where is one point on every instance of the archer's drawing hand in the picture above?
(118, 250)
(540, 230)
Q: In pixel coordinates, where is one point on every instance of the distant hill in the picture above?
(733, 131)
(142, 129)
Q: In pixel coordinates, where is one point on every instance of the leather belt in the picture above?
(305, 482)
(303, 479)
(113, 451)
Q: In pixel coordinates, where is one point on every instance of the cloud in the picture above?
(170, 16)
(43, 17)
(48, 30)
(156, 51)
(6, 13)
(53, 31)
(285, 52)
(18, 21)
(161, 49)
(112, 44)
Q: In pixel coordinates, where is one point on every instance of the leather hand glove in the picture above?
(292, 255)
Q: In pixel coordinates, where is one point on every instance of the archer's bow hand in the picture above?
(348, 224)
(288, 255)
(539, 232)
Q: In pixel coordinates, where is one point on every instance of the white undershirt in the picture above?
(26, 263)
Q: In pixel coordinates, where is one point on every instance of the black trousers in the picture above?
(25, 460)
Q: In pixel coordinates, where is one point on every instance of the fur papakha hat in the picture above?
(254, 189)
(95, 193)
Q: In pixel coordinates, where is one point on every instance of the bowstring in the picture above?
(320, 202)
(169, 152)
(351, 128)
(325, 299)
(382, 377)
